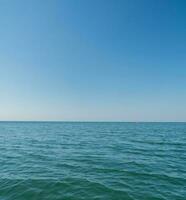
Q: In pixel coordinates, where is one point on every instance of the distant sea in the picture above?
(101, 161)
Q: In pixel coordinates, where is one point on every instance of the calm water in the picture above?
(103, 161)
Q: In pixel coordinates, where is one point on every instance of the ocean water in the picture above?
(71, 161)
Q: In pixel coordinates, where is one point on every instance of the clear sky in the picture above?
(105, 60)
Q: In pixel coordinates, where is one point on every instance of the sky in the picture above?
(93, 60)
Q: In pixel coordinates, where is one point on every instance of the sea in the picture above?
(92, 161)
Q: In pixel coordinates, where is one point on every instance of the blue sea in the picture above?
(92, 160)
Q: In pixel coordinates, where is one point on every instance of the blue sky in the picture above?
(99, 60)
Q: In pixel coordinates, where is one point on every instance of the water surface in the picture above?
(71, 160)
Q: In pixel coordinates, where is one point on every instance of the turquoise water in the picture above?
(63, 160)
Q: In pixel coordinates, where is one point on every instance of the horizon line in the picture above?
(92, 121)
